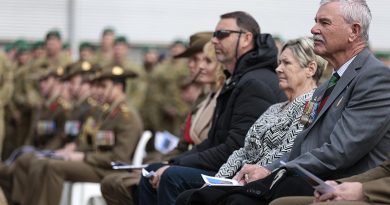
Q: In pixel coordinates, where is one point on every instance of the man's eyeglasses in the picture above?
(221, 34)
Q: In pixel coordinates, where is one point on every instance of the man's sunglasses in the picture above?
(221, 34)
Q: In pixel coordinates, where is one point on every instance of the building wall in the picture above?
(161, 21)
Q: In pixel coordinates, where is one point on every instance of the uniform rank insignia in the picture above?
(46, 127)
(105, 138)
(72, 127)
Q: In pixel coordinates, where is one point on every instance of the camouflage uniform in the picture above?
(6, 90)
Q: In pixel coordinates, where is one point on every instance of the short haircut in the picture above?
(355, 11)
(303, 51)
(245, 21)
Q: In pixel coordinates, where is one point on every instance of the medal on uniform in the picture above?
(72, 128)
(305, 115)
(105, 138)
(46, 127)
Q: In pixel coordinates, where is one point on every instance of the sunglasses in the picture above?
(221, 34)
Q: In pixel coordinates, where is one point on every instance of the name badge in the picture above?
(72, 127)
(105, 138)
(46, 127)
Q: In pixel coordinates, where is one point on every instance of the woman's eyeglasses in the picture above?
(221, 34)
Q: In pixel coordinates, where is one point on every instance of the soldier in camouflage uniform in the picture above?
(6, 90)
(166, 109)
(105, 54)
(54, 57)
(87, 52)
(38, 50)
(135, 87)
(25, 99)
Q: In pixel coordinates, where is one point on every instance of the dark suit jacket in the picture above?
(351, 133)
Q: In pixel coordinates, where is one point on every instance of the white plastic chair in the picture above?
(83, 193)
(140, 152)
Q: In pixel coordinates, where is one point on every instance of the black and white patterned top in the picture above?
(271, 136)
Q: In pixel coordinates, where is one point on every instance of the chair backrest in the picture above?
(140, 150)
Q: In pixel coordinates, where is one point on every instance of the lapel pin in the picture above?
(338, 103)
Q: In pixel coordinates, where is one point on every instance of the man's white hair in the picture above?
(355, 11)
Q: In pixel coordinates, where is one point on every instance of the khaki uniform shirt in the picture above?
(117, 137)
(376, 183)
(50, 124)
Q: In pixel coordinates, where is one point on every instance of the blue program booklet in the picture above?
(216, 181)
(317, 183)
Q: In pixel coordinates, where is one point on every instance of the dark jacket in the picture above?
(252, 89)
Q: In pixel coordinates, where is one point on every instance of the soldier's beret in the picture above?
(86, 45)
(37, 44)
(121, 39)
(108, 30)
(53, 33)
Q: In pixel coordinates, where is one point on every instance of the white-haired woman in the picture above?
(274, 132)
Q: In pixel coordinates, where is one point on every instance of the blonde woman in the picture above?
(211, 74)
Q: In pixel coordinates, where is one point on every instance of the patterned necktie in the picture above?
(332, 83)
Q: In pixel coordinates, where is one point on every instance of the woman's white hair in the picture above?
(303, 50)
(355, 11)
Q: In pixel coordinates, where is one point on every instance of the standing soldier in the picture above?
(105, 54)
(171, 109)
(6, 90)
(25, 99)
(38, 50)
(87, 52)
(135, 87)
(54, 58)
(148, 108)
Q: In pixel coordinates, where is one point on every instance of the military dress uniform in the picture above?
(48, 134)
(376, 184)
(83, 106)
(117, 135)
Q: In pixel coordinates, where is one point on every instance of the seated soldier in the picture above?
(370, 187)
(67, 122)
(117, 134)
(118, 188)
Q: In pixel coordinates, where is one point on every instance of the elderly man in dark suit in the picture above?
(348, 127)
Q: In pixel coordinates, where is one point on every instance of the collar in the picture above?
(344, 67)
